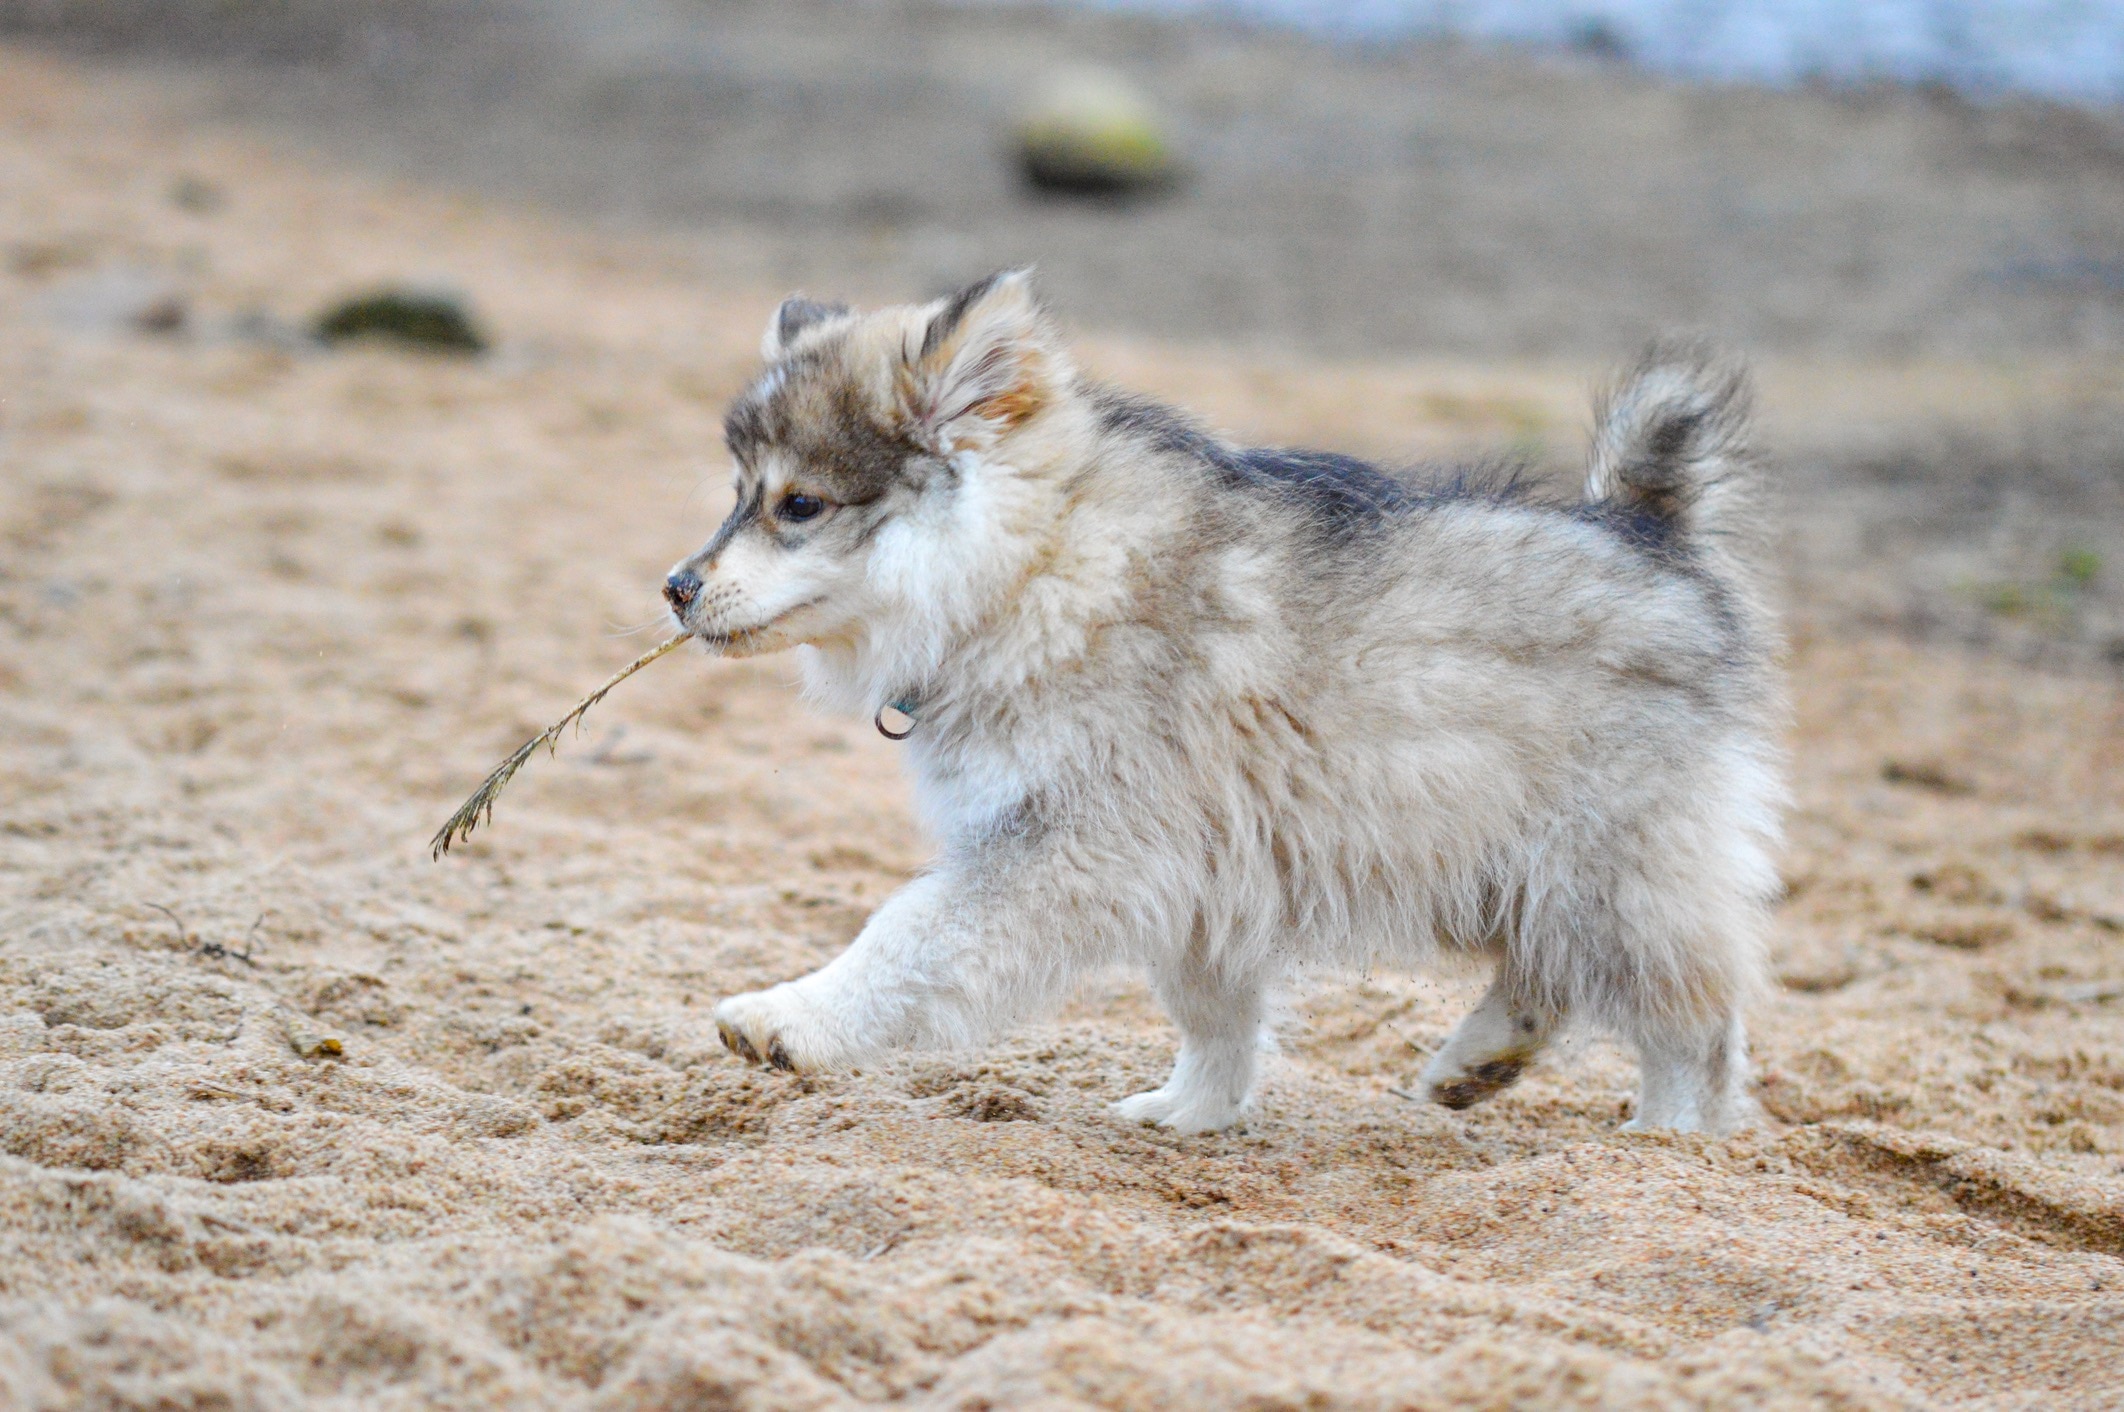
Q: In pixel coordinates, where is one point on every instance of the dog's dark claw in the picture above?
(737, 1044)
(779, 1057)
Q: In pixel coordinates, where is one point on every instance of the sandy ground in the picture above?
(266, 613)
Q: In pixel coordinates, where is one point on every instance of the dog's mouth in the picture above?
(743, 642)
(755, 638)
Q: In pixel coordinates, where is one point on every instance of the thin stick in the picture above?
(481, 804)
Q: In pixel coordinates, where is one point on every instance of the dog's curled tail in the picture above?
(1672, 448)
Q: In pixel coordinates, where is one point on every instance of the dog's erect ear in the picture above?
(988, 360)
(796, 314)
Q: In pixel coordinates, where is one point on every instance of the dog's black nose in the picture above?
(681, 588)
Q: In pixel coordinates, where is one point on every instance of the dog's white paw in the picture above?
(783, 1029)
(1735, 1115)
(1178, 1109)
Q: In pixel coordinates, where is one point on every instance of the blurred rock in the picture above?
(119, 300)
(194, 194)
(168, 314)
(424, 319)
(1090, 132)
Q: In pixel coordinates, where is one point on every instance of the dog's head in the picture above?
(873, 457)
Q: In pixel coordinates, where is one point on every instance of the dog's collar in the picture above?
(905, 705)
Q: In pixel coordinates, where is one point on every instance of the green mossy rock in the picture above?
(411, 318)
(1090, 132)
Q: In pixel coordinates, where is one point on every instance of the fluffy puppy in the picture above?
(1227, 713)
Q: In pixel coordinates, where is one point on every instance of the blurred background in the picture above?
(1487, 177)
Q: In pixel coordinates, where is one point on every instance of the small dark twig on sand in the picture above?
(213, 950)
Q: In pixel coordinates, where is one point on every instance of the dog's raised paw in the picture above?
(1468, 1087)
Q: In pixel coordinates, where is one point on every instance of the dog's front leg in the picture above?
(953, 957)
(1219, 1013)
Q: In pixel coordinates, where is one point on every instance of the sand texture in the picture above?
(292, 1116)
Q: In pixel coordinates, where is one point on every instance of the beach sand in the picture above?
(293, 1116)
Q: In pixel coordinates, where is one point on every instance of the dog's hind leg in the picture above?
(1491, 1048)
(1219, 1015)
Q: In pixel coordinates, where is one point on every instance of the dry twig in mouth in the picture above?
(481, 804)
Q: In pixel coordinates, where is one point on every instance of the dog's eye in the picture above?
(799, 507)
